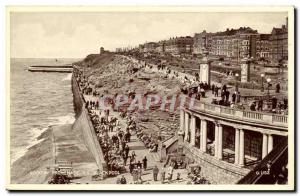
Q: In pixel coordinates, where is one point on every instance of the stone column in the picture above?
(242, 148)
(193, 130)
(181, 121)
(186, 126)
(181, 129)
(270, 143)
(216, 139)
(201, 135)
(236, 146)
(264, 146)
(204, 132)
(220, 142)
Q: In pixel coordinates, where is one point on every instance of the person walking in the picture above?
(233, 97)
(126, 150)
(216, 91)
(227, 93)
(135, 174)
(131, 167)
(238, 97)
(277, 87)
(260, 105)
(145, 163)
(124, 158)
(155, 173)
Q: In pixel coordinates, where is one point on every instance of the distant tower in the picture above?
(101, 50)
(245, 69)
(204, 73)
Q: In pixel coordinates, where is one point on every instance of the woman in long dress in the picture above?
(135, 174)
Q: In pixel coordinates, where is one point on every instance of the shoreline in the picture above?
(31, 168)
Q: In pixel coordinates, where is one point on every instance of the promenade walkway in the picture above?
(141, 151)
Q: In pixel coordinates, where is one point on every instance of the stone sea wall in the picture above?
(84, 124)
(217, 172)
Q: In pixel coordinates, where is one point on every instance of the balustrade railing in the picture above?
(229, 111)
(268, 118)
(252, 115)
(279, 118)
(209, 107)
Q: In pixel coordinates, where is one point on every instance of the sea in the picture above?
(37, 100)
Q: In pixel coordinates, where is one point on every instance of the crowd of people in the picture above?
(114, 141)
(148, 140)
(271, 105)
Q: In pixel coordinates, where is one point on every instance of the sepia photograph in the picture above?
(150, 98)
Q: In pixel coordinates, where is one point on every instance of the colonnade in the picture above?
(188, 130)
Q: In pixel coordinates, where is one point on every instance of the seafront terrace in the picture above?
(205, 106)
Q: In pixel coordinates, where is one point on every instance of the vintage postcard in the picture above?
(150, 98)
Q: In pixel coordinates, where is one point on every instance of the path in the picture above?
(141, 151)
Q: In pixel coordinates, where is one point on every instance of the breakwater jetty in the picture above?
(49, 68)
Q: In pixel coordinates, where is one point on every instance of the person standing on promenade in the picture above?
(132, 158)
(155, 173)
(238, 97)
(278, 87)
(145, 163)
(131, 167)
(233, 97)
(123, 144)
(212, 88)
(126, 150)
(260, 105)
(216, 91)
(135, 174)
(227, 94)
(124, 158)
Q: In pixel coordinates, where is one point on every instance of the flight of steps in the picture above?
(155, 156)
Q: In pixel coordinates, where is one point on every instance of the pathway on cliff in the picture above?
(140, 150)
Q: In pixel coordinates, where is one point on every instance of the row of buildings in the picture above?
(232, 44)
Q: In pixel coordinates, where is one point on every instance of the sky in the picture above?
(77, 34)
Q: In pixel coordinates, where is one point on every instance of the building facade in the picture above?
(202, 42)
(263, 48)
(235, 43)
(279, 44)
(150, 47)
(179, 45)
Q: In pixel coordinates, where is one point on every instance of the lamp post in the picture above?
(268, 81)
(236, 82)
(262, 82)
